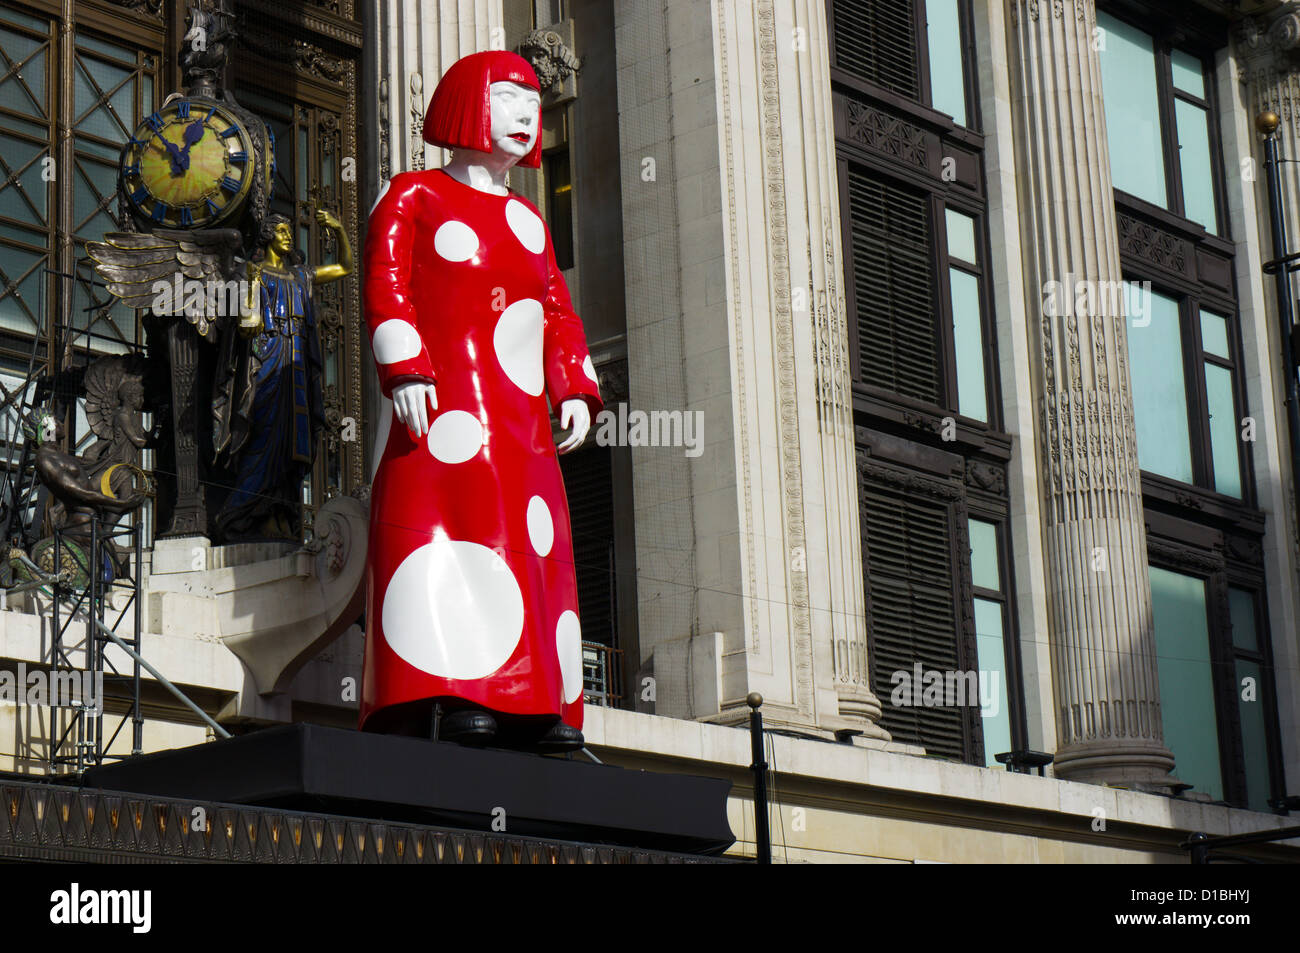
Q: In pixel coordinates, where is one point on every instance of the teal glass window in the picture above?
(1159, 122)
(1251, 699)
(1214, 334)
(967, 314)
(947, 67)
(1187, 701)
(1241, 610)
(991, 639)
(1221, 405)
(1223, 430)
(1254, 737)
(1193, 127)
(961, 236)
(1132, 104)
(1187, 73)
(968, 338)
(984, 555)
(995, 709)
(1155, 353)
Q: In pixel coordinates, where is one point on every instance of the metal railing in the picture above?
(602, 675)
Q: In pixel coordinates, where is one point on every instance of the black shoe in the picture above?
(560, 737)
(468, 727)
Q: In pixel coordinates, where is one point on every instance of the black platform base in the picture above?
(312, 768)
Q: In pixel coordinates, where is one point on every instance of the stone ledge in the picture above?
(613, 733)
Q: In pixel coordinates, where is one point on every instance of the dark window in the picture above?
(893, 287)
(912, 610)
(913, 48)
(925, 393)
(589, 487)
(559, 206)
(875, 40)
(919, 303)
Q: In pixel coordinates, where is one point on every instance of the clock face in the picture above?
(190, 164)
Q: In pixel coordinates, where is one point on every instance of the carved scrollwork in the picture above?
(907, 481)
(1154, 245)
(1184, 557)
(333, 411)
(303, 56)
(416, 111)
(1241, 549)
(613, 381)
(153, 9)
(551, 59)
(986, 476)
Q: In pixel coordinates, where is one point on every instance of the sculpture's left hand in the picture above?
(574, 412)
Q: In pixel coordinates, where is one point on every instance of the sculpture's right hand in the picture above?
(410, 406)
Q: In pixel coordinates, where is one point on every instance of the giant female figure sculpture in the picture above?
(472, 601)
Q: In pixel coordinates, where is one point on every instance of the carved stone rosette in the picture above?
(1101, 631)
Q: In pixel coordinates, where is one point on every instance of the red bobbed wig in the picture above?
(460, 112)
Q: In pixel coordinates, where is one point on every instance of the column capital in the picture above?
(1270, 41)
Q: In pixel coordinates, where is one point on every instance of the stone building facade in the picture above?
(964, 302)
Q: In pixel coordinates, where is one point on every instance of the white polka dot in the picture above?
(589, 369)
(528, 228)
(455, 436)
(395, 340)
(541, 528)
(381, 438)
(455, 241)
(518, 343)
(568, 646)
(453, 609)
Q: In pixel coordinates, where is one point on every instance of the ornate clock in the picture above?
(190, 165)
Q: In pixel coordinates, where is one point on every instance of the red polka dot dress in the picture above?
(470, 578)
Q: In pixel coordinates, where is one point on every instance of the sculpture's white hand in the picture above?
(575, 411)
(410, 407)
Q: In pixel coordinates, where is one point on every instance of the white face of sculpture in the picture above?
(515, 117)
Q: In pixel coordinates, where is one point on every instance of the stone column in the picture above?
(1099, 602)
(417, 41)
(749, 556)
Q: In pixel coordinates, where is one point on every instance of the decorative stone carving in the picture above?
(1243, 550)
(986, 476)
(415, 105)
(277, 615)
(385, 169)
(613, 382)
(153, 9)
(1154, 245)
(886, 134)
(551, 59)
(304, 57)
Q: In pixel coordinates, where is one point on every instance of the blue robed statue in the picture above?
(267, 397)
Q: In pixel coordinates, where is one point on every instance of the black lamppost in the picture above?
(762, 837)
(1280, 267)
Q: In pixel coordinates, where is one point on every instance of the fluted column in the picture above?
(796, 477)
(1099, 603)
(418, 41)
